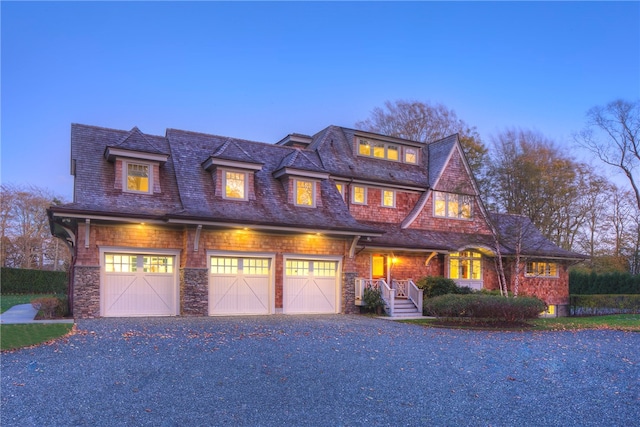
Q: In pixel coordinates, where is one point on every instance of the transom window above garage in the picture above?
(126, 263)
(232, 265)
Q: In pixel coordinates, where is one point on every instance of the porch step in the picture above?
(405, 308)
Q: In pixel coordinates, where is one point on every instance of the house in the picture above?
(201, 225)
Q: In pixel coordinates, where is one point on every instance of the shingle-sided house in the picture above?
(202, 225)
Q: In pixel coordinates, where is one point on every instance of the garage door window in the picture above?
(248, 266)
(324, 269)
(297, 268)
(255, 266)
(118, 263)
(224, 265)
(158, 264)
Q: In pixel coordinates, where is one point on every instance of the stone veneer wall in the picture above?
(86, 292)
(194, 292)
(349, 293)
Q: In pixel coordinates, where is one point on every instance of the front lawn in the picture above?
(620, 322)
(24, 335)
(8, 301)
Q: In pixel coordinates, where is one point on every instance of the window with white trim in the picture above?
(305, 192)
(466, 265)
(235, 185)
(410, 155)
(359, 195)
(450, 205)
(138, 177)
(378, 149)
(389, 198)
(541, 269)
(120, 263)
(157, 264)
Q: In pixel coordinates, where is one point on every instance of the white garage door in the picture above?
(239, 285)
(310, 286)
(139, 285)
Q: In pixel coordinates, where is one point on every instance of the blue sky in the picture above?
(260, 71)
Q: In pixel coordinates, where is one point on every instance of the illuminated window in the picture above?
(255, 266)
(157, 264)
(297, 268)
(465, 265)
(138, 177)
(411, 155)
(340, 188)
(542, 269)
(221, 265)
(359, 195)
(451, 205)
(235, 185)
(378, 150)
(364, 147)
(305, 192)
(324, 268)
(388, 198)
(392, 152)
(120, 263)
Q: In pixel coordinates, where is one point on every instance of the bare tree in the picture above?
(427, 122)
(612, 133)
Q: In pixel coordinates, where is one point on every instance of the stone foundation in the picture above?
(194, 292)
(86, 292)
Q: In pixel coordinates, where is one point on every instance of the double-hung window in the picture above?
(138, 177)
(359, 195)
(305, 192)
(388, 198)
(235, 185)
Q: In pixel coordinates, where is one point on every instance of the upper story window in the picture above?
(465, 265)
(305, 192)
(389, 198)
(541, 269)
(449, 205)
(340, 188)
(359, 195)
(138, 177)
(235, 185)
(387, 151)
(411, 155)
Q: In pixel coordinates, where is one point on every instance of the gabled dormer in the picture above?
(232, 170)
(301, 173)
(295, 140)
(137, 163)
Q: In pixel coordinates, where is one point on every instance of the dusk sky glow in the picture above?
(262, 70)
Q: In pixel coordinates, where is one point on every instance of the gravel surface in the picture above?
(320, 371)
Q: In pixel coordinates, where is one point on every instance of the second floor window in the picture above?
(138, 177)
(388, 198)
(359, 195)
(449, 205)
(235, 185)
(305, 194)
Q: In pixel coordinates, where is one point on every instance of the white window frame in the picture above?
(313, 192)
(353, 194)
(447, 214)
(340, 187)
(393, 198)
(125, 176)
(536, 266)
(404, 155)
(224, 184)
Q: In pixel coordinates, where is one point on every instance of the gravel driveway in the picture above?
(320, 371)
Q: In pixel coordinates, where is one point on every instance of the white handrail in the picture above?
(415, 295)
(388, 295)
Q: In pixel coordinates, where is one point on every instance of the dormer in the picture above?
(295, 140)
(386, 148)
(301, 174)
(232, 170)
(137, 163)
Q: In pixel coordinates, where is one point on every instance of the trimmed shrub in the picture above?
(372, 299)
(434, 286)
(50, 307)
(596, 305)
(585, 283)
(480, 306)
(23, 281)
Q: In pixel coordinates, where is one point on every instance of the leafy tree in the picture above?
(24, 229)
(426, 122)
(612, 133)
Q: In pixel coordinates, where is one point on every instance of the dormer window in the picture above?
(138, 177)
(235, 185)
(411, 155)
(387, 151)
(305, 194)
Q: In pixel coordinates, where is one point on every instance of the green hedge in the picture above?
(23, 281)
(481, 306)
(582, 283)
(597, 305)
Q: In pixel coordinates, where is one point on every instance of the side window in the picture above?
(138, 177)
(388, 198)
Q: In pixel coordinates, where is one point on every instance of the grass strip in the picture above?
(25, 335)
(8, 301)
